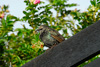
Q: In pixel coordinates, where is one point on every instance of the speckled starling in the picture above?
(49, 36)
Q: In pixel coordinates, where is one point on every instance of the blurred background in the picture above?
(16, 8)
(20, 18)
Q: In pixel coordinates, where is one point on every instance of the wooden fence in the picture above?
(72, 52)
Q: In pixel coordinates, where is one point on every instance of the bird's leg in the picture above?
(51, 47)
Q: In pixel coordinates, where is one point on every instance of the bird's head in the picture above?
(42, 28)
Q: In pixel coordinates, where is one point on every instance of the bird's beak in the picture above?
(37, 30)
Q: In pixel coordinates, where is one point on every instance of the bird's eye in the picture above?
(40, 29)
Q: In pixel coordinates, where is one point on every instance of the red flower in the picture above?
(33, 46)
(36, 1)
(41, 45)
(2, 15)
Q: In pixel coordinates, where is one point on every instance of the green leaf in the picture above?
(24, 12)
(10, 23)
(98, 0)
(71, 5)
(93, 2)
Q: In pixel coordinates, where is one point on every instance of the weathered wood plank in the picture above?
(71, 51)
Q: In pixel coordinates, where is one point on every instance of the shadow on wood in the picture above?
(71, 52)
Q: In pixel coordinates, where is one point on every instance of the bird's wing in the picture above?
(57, 38)
(55, 34)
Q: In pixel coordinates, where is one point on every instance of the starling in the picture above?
(49, 36)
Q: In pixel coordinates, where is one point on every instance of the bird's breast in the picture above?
(47, 39)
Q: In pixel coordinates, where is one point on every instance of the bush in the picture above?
(17, 49)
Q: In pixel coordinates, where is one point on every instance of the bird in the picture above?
(49, 36)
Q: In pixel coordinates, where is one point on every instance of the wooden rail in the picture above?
(72, 52)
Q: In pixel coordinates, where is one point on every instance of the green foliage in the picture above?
(88, 17)
(17, 49)
(20, 48)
